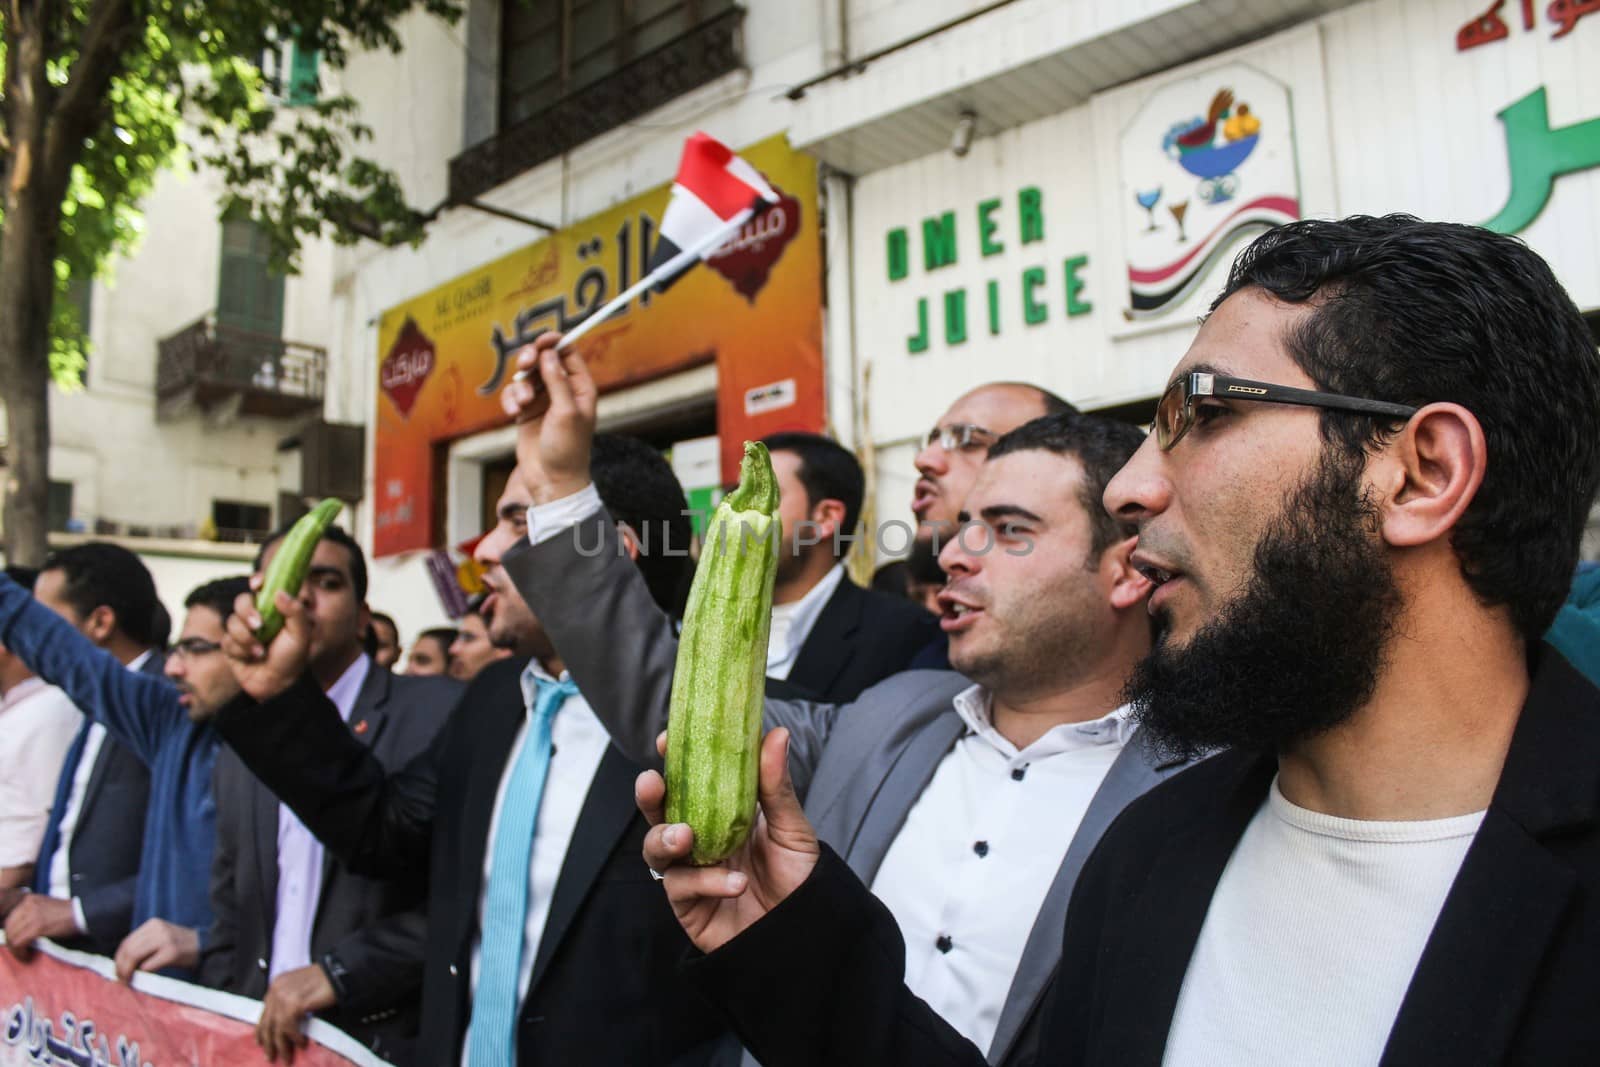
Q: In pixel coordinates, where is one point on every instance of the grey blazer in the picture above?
(857, 767)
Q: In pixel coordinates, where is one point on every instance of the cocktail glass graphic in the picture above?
(1148, 201)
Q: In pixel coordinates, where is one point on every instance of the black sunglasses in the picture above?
(1175, 412)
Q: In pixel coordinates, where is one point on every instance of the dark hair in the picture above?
(218, 595)
(829, 471)
(98, 574)
(336, 534)
(23, 576)
(1419, 312)
(637, 486)
(893, 578)
(1101, 445)
(475, 605)
(160, 626)
(445, 635)
(381, 616)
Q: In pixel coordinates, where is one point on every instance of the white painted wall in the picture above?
(124, 466)
(1389, 117)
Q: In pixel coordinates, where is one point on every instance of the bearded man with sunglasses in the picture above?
(1361, 505)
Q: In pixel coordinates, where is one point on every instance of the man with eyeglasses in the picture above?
(166, 728)
(1361, 506)
(948, 463)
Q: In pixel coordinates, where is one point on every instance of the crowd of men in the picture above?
(1244, 741)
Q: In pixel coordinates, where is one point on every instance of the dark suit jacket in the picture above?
(604, 987)
(860, 638)
(1508, 975)
(103, 864)
(372, 929)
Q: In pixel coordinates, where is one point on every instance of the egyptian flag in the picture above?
(713, 196)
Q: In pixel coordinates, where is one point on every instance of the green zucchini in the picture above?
(289, 567)
(714, 725)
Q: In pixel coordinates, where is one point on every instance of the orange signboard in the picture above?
(754, 307)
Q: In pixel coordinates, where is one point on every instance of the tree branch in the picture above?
(79, 107)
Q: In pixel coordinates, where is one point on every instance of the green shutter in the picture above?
(249, 292)
(303, 83)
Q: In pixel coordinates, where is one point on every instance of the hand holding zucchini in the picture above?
(288, 569)
(714, 725)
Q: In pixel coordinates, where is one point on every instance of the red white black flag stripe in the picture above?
(714, 194)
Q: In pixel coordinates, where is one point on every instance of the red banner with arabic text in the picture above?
(65, 1007)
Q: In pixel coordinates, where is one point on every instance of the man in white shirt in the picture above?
(829, 636)
(37, 725)
(968, 803)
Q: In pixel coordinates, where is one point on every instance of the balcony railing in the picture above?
(209, 364)
(692, 59)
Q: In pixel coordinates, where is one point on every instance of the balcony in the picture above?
(224, 370)
(690, 60)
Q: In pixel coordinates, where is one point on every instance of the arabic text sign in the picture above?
(64, 1008)
(754, 308)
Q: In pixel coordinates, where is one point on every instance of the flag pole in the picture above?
(684, 259)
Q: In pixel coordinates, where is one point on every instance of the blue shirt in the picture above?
(143, 713)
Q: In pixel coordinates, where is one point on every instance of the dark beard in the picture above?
(923, 562)
(1300, 650)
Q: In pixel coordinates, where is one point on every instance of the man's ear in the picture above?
(630, 540)
(1127, 586)
(1429, 474)
(100, 624)
(827, 518)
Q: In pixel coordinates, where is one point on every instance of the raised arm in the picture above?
(136, 709)
(580, 581)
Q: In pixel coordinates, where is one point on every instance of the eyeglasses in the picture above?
(960, 437)
(1175, 414)
(194, 647)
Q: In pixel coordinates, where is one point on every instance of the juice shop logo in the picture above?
(406, 368)
(1206, 162)
(747, 258)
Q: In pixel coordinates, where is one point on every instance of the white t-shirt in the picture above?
(1312, 937)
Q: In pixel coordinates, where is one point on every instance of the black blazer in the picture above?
(604, 987)
(103, 862)
(372, 929)
(1508, 975)
(860, 638)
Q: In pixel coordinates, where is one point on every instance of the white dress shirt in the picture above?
(969, 870)
(60, 869)
(792, 623)
(1312, 936)
(37, 724)
(578, 744)
(300, 854)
